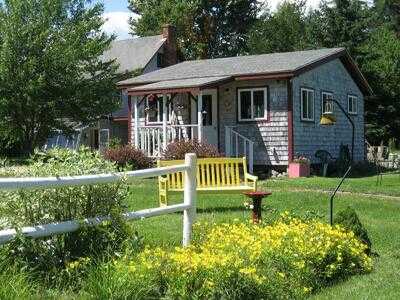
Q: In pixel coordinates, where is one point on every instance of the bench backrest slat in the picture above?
(211, 172)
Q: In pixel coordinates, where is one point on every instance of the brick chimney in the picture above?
(170, 46)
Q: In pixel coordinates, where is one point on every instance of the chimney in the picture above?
(170, 46)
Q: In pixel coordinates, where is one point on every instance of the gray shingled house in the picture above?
(266, 107)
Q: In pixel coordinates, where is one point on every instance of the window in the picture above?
(307, 104)
(160, 60)
(207, 110)
(327, 104)
(154, 113)
(352, 104)
(252, 104)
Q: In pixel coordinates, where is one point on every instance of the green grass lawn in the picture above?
(389, 184)
(379, 215)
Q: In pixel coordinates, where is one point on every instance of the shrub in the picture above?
(177, 150)
(349, 220)
(25, 208)
(392, 145)
(288, 259)
(128, 157)
(115, 143)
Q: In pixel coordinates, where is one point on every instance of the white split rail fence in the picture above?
(188, 206)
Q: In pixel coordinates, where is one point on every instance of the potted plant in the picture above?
(299, 167)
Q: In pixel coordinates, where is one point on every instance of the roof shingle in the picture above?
(234, 66)
(133, 54)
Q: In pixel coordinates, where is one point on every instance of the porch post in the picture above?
(129, 119)
(136, 122)
(200, 116)
(164, 121)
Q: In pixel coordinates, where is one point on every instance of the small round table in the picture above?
(257, 199)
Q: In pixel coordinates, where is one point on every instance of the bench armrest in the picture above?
(252, 178)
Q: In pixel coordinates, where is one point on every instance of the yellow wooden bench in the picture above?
(214, 175)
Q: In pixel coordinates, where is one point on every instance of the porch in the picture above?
(170, 111)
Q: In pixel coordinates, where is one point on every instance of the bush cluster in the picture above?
(26, 208)
(177, 150)
(289, 259)
(128, 157)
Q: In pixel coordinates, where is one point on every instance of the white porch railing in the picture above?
(188, 206)
(237, 145)
(151, 138)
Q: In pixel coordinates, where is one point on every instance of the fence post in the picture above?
(189, 197)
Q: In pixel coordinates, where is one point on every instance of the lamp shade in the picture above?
(327, 120)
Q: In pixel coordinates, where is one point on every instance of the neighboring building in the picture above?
(264, 106)
(135, 55)
(143, 55)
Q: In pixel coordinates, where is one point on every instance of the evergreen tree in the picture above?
(205, 28)
(341, 23)
(380, 62)
(388, 12)
(50, 71)
(284, 30)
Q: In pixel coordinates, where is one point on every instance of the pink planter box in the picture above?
(296, 170)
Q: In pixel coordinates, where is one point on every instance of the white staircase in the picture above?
(237, 145)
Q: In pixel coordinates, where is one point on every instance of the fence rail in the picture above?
(188, 206)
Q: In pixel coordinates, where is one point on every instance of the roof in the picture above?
(274, 64)
(179, 84)
(135, 53)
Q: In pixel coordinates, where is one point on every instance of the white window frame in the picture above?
(252, 90)
(322, 103)
(354, 99)
(301, 104)
(159, 104)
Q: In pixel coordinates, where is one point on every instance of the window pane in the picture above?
(310, 105)
(353, 104)
(327, 105)
(258, 100)
(207, 110)
(152, 111)
(160, 109)
(304, 104)
(245, 105)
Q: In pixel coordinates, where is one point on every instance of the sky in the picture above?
(117, 15)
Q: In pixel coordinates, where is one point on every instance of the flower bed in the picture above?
(289, 259)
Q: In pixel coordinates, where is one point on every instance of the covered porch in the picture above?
(185, 109)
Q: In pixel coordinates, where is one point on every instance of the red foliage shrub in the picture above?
(128, 157)
(177, 150)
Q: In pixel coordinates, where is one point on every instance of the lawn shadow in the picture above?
(220, 209)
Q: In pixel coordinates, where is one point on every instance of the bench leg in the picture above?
(163, 199)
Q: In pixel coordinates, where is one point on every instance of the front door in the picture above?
(210, 117)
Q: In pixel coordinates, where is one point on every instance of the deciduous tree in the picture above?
(51, 74)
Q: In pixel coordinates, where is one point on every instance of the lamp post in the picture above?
(328, 119)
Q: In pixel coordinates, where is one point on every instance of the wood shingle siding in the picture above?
(311, 136)
(270, 136)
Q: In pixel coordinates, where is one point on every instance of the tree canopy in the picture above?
(51, 74)
(206, 28)
(282, 31)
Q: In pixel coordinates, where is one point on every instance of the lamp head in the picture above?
(327, 120)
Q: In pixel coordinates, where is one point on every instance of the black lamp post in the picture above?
(328, 119)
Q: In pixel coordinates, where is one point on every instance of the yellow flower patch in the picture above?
(288, 259)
